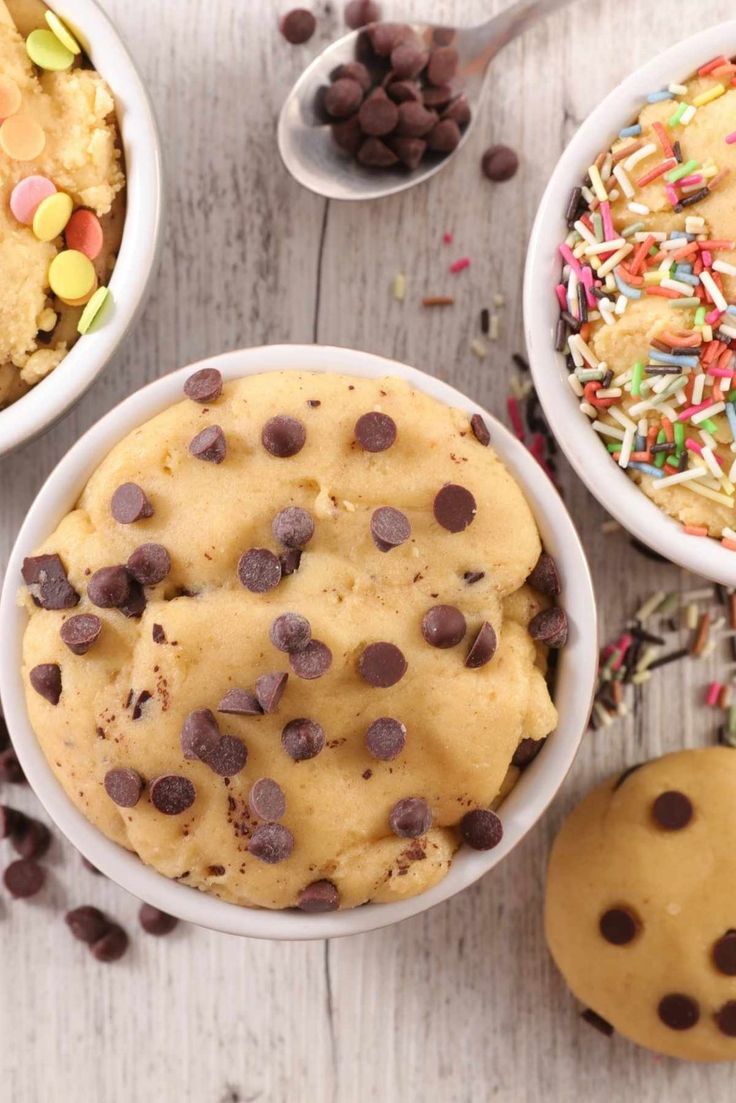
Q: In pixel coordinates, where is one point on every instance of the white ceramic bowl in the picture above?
(52, 397)
(539, 782)
(610, 485)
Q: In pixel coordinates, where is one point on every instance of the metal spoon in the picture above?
(306, 144)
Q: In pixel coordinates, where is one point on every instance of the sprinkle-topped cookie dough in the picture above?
(647, 299)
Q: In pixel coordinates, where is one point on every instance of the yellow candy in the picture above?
(93, 308)
(22, 138)
(71, 275)
(45, 50)
(52, 215)
(63, 33)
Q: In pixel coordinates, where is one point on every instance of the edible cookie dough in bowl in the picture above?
(281, 628)
(80, 198)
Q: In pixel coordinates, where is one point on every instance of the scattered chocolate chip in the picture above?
(358, 13)
(444, 137)
(240, 702)
(266, 800)
(725, 1018)
(87, 924)
(724, 954)
(80, 632)
(471, 577)
(10, 767)
(385, 738)
(228, 757)
(155, 922)
(158, 634)
(592, 1018)
(46, 680)
(672, 810)
(302, 739)
(293, 527)
(442, 65)
(550, 627)
(382, 664)
(320, 896)
(290, 632)
(407, 60)
(172, 794)
(283, 436)
(376, 154)
(499, 163)
(123, 786)
(443, 626)
(483, 647)
(545, 577)
(454, 507)
(259, 570)
(415, 120)
(11, 821)
(200, 734)
(111, 946)
(31, 838)
(270, 689)
(410, 818)
(135, 603)
(526, 752)
(343, 97)
(271, 843)
(298, 26)
(481, 829)
(290, 561)
(375, 432)
(149, 564)
(678, 1012)
(313, 662)
(389, 528)
(204, 386)
(209, 445)
(110, 587)
(618, 926)
(46, 580)
(481, 432)
(24, 878)
(130, 504)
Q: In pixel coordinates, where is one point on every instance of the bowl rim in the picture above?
(52, 397)
(575, 679)
(613, 488)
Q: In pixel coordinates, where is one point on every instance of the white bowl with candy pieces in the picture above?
(630, 303)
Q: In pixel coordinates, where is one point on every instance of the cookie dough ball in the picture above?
(641, 911)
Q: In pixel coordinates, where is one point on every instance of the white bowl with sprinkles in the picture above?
(537, 784)
(630, 303)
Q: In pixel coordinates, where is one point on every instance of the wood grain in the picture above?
(461, 1004)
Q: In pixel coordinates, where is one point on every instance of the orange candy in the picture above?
(21, 138)
(84, 233)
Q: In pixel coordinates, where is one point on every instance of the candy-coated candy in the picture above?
(45, 50)
(10, 97)
(62, 32)
(52, 216)
(21, 138)
(84, 233)
(27, 196)
(93, 308)
(71, 275)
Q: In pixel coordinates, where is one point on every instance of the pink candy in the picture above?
(27, 196)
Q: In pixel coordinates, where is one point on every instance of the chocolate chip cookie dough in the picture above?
(284, 648)
(640, 909)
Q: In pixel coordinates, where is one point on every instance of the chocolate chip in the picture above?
(454, 507)
(351, 70)
(444, 137)
(409, 151)
(459, 111)
(724, 954)
(481, 829)
(499, 163)
(550, 627)
(155, 922)
(200, 734)
(266, 800)
(129, 504)
(382, 664)
(415, 120)
(11, 821)
(204, 386)
(290, 561)
(46, 680)
(526, 752)
(270, 689)
(483, 647)
(290, 632)
(46, 579)
(302, 739)
(135, 603)
(725, 1018)
(545, 577)
(123, 786)
(80, 632)
(87, 924)
(209, 445)
(375, 432)
(240, 702)
(142, 699)
(348, 135)
(358, 13)
(10, 767)
(24, 878)
(408, 60)
(283, 436)
(481, 431)
(410, 818)
(271, 843)
(618, 926)
(320, 896)
(437, 97)
(471, 577)
(389, 528)
(672, 810)
(374, 153)
(228, 757)
(313, 662)
(443, 626)
(259, 570)
(442, 65)
(31, 839)
(343, 97)
(293, 527)
(109, 588)
(298, 26)
(385, 738)
(158, 635)
(404, 91)
(592, 1018)
(149, 564)
(172, 794)
(385, 37)
(678, 1012)
(111, 946)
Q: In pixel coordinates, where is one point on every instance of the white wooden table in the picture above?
(463, 1003)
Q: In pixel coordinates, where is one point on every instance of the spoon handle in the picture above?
(482, 43)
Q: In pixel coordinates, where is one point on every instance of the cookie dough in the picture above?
(352, 534)
(640, 910)
(82, 157)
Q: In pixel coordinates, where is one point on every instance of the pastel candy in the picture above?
(83, 299)
(10, 97)
(84, 233)
(92, 309)
(71, 275)
(62, 32)
(21, 138)
(27, 195)
(45, 50)
(52, 216)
